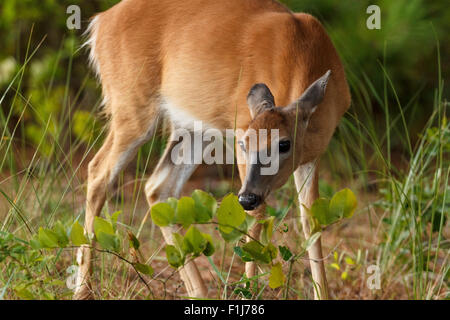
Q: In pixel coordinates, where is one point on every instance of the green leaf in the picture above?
(185, 212)
(320, 211)
(143, 268)
(102, 225)
(277, 277)
(205, 206)
(230, 214)
(209, 250)
(178, 242)
(267, 231)
(249, 222)
(173, 202)
(349, 261)
(233, 236)
(285, 253)
(48, 296)
(113, 218)
(240, 231)
(134, 242)
(108, 241)
(242, 254)
(343, 204)
(24, 294)
(58, 283)
(271, 251)
(35, 243)
(271, 211)
(256, 251)
(335, 266)
(60, 231)
(311, 240)
(162, 214)
(47, 238)
(186, 247)
(194, 242)
(77, 235)
(174, 256)
(247, 294)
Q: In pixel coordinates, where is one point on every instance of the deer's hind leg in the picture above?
(127, 132)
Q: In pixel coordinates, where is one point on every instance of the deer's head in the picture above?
(272, 145)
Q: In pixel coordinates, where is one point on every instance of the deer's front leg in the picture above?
(307, 183)
(254, 233)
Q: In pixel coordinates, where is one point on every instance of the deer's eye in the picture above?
(242, 145)
(284, 146)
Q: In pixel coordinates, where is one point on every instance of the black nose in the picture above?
(249, 201)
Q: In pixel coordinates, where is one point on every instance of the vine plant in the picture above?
(201, 208)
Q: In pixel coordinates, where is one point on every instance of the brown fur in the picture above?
(205, 55)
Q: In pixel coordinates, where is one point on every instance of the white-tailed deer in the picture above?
(214, 61)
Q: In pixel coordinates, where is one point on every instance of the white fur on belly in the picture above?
(180, 118)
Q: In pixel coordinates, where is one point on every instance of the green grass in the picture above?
(414, 203)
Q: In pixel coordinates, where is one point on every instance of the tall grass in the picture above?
(413, 189)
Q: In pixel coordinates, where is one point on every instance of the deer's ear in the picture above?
(312, 96)
(260, 99)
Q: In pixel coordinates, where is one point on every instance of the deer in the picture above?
(243, 64)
